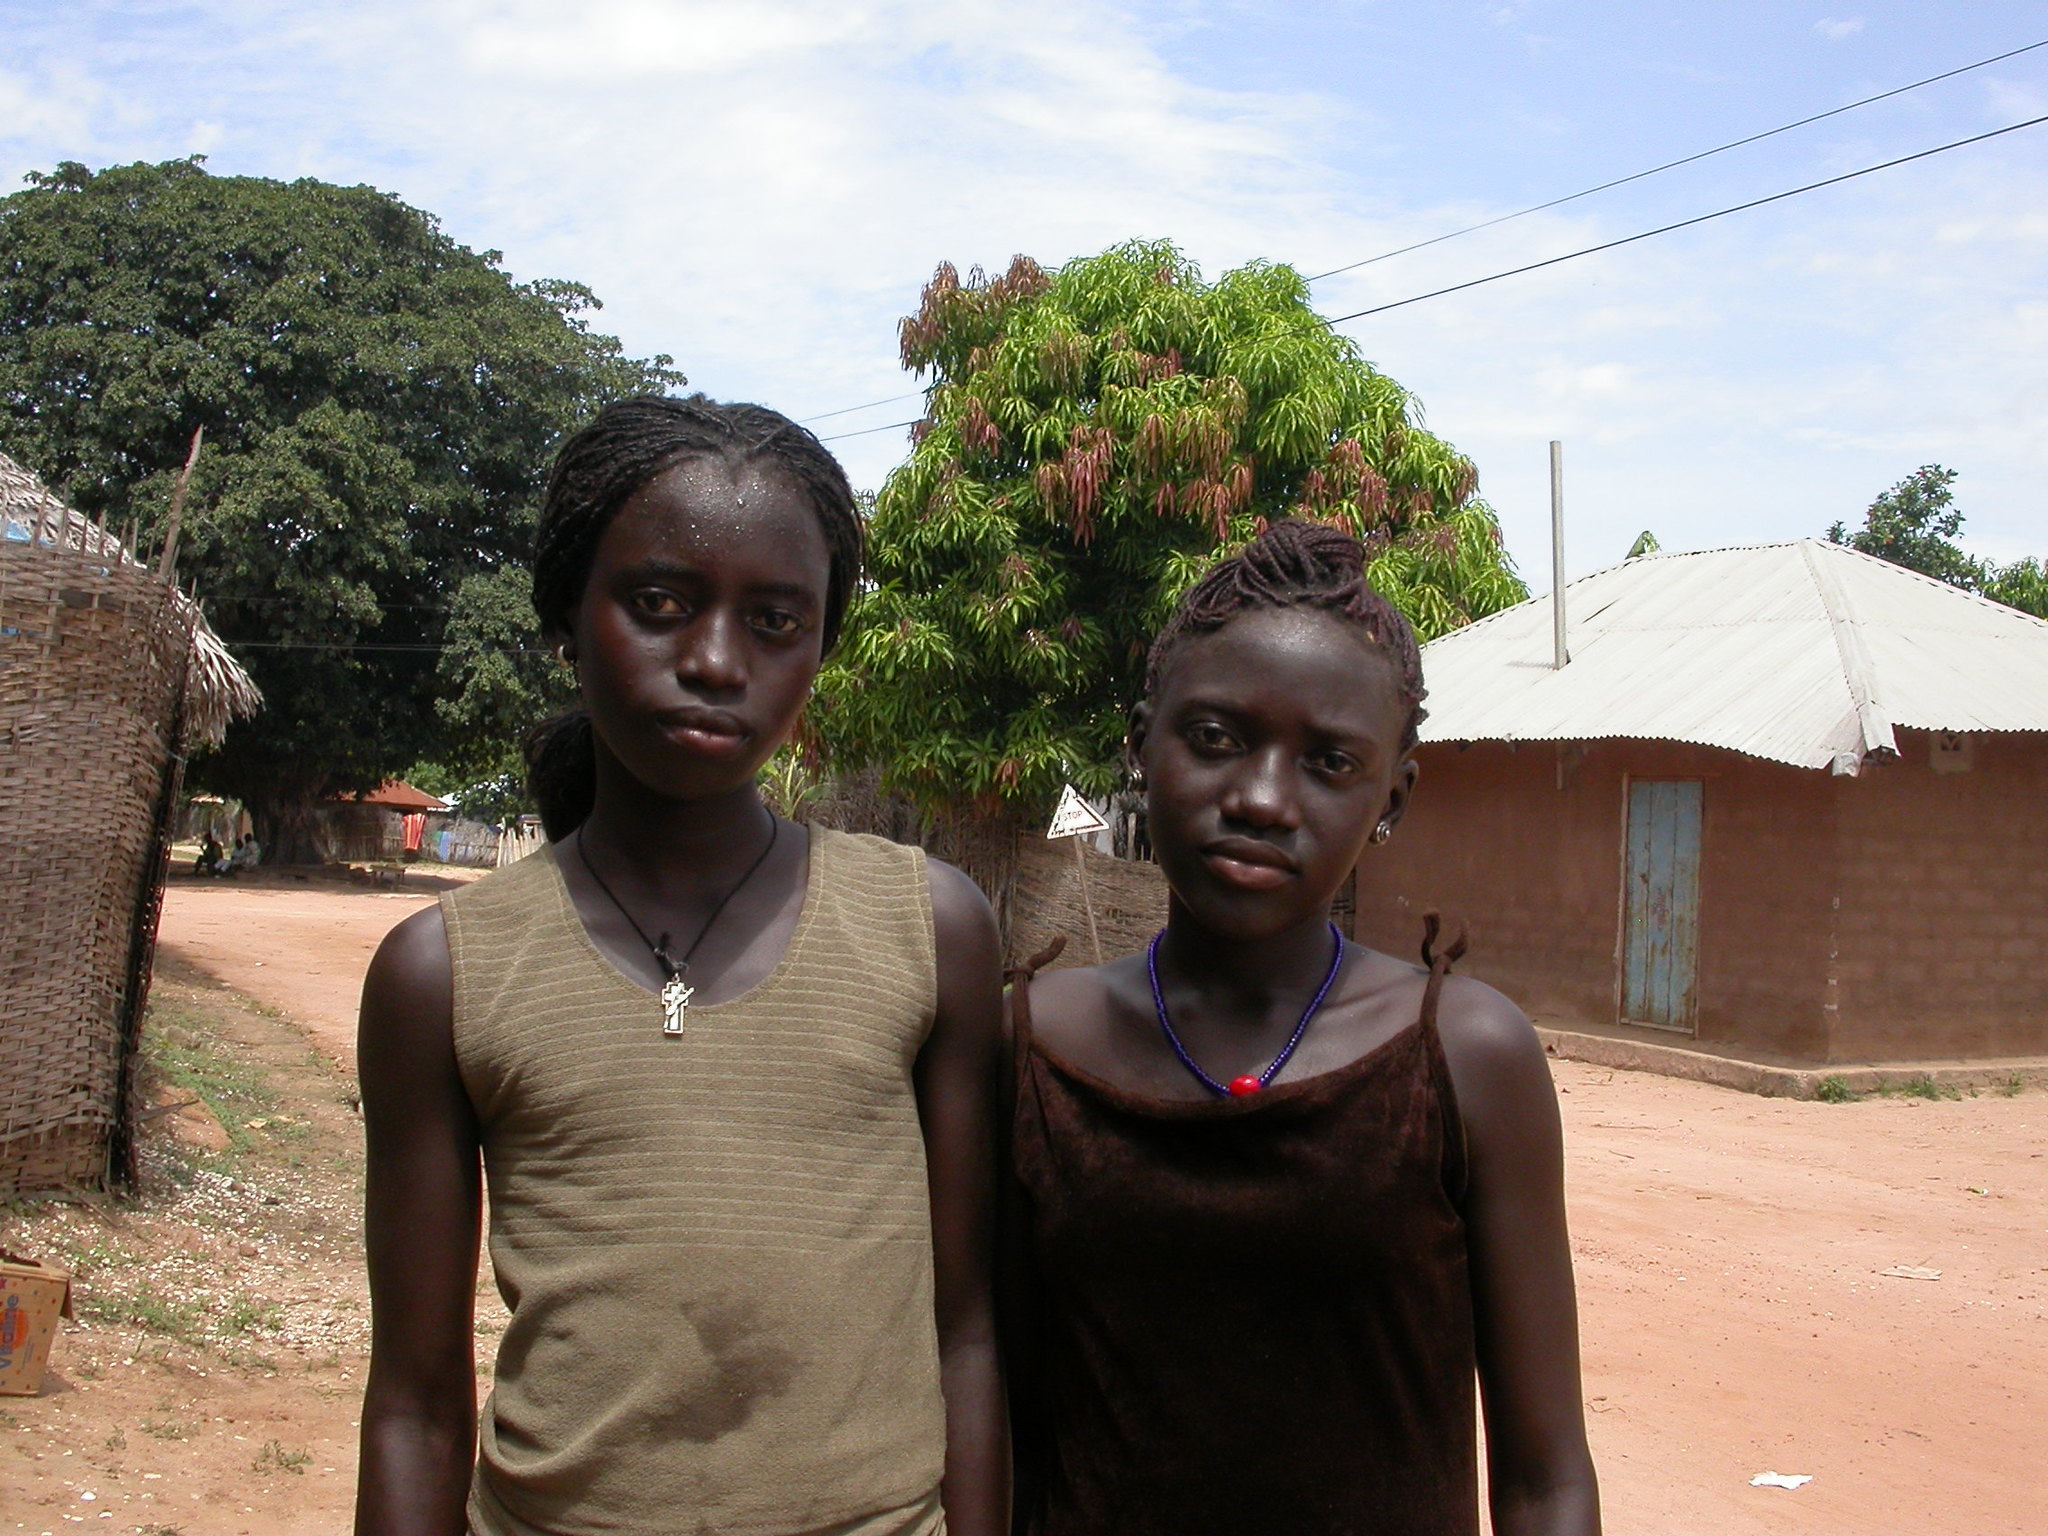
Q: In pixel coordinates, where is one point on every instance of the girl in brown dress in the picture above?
(1276, 1199)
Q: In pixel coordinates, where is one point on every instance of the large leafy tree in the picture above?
(1915, 524)
(1093, 440)
(379, 404)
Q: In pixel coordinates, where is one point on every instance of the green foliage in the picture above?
(498, 798)
(499, 678)
(1836, 1090)
(2022, 585)
(379, 404)
(1914, 524)
(1645, 544)
(792, 784)
(1094, 440)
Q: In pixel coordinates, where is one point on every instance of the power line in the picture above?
(849, 410)
(864, 431)
(1665, 229)
(1672, 165)
(1556, 202)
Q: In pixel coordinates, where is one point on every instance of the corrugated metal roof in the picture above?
(1805, 653)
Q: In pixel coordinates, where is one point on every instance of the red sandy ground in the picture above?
(296, 943)
(1730, 1255)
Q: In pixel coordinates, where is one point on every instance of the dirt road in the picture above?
(1731, 1255)
(298, 944)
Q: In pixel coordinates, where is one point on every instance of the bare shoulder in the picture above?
(1497, 1062)
(415, 952)
(958, 906)
(967, 955)
(409, 991)
(963, 923)
(1074, 1011)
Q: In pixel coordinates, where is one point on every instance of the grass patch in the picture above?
(1925, 1087)
(245, 1316)
(183, 1048)
(275, 1458)
(1836, 1090)
(196, 1321)
(2012, 1087)
(149, 1309)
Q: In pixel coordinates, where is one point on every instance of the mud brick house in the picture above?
(1788, 800)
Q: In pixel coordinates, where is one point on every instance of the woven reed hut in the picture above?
(108, 676)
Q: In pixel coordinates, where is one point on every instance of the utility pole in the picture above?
(1562, 655)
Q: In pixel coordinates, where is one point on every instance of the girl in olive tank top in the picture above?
(726, 1078)
(1275, 1200)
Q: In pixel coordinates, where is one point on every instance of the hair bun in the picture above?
(561, 772)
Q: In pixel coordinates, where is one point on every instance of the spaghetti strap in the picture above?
(1017, 991)
(1439, 962)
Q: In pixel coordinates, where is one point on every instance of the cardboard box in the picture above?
(32, 1297)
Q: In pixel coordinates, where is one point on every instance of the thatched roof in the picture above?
(217, 689)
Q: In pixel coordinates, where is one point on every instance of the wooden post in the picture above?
(1087, 901)
(1560, 655)
(169, 563)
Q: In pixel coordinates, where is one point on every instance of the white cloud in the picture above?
(761, 188)
(59, 105)
(1836, 31)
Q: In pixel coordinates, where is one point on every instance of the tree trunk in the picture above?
(287, 823)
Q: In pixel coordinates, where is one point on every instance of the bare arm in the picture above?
(1539, 1471)
(956, 1090)
(422, 1210)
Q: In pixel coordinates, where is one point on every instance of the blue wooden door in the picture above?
(1661, 932)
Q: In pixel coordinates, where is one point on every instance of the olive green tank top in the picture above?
(716, 1248)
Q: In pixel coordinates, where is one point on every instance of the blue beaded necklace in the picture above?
(1239, 1087)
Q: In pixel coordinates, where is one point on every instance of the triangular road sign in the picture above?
(1075, 816)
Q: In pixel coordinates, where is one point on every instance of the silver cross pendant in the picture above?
(675, 1003)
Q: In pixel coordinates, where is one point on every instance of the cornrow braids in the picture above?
(595, 473)
(632, 441)
(1297, 564)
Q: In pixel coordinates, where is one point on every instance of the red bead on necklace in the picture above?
(1241, 1087)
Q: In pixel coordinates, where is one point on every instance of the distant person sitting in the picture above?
(210, 860)
(247, 855)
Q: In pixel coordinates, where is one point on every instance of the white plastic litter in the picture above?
(1781, 1480)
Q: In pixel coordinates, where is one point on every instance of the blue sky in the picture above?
(760, 188)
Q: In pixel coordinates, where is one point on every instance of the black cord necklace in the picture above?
(676, 992)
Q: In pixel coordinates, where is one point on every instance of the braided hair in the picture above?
(1297, 564)
(597, 472)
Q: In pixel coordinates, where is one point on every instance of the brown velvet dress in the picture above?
(1248, 1315)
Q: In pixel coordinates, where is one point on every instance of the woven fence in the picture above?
(92, 664)
(105, 671)
(1129, 899)
(1033, 883)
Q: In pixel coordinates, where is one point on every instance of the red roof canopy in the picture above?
(398, 795)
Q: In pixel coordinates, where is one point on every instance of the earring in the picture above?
(1383, 831)
(1134, 779)
(566, 651)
